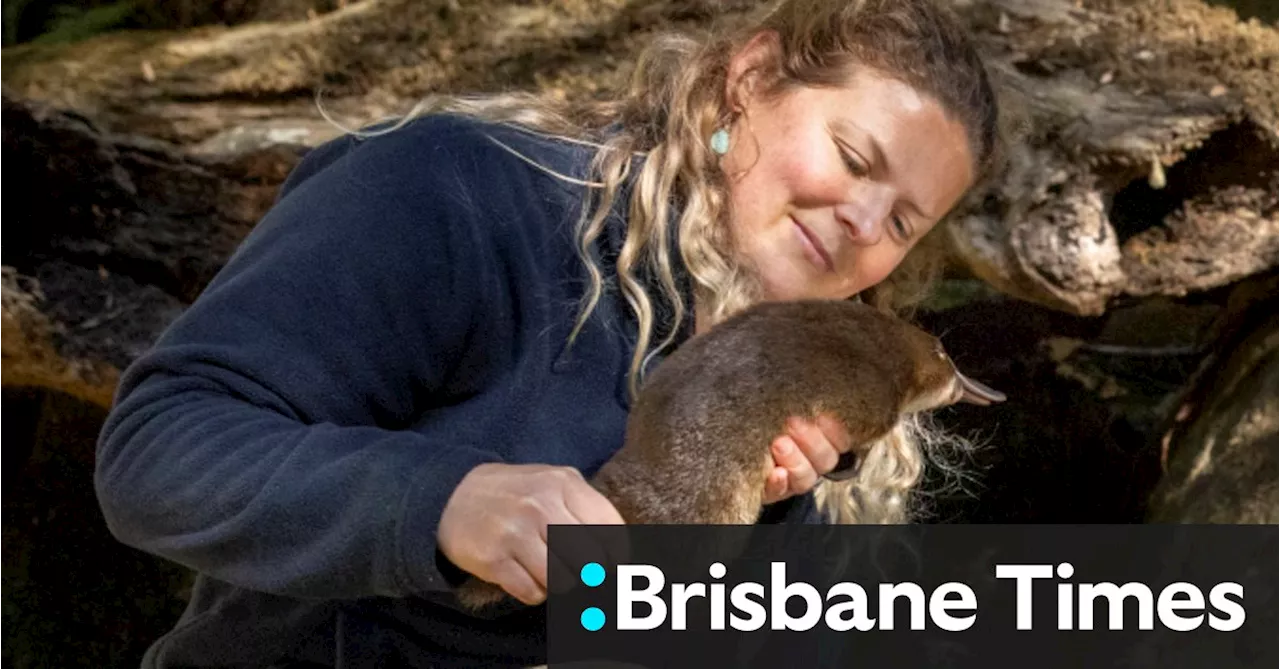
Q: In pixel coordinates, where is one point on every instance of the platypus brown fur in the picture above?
(697, 447)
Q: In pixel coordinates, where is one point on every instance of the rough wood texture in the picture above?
(1221, 451)
(108, 240)
(1111, 96)
(1144, 160)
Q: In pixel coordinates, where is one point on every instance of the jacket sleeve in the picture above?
(796, 510)
(264, 439)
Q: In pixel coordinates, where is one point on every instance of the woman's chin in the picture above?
(791, 283)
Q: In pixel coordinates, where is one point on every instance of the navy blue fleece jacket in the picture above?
(399, 317)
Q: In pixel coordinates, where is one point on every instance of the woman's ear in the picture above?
(759, 55)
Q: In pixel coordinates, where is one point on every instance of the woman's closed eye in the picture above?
(859, 168)
(901, 226)
(856, 166)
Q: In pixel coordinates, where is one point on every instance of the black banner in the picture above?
(914, 596)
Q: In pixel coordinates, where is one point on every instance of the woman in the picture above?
(408, 368)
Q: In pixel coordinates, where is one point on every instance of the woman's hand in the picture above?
(495, 522)
(806, 451)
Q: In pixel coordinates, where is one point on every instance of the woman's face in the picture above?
(831, 187)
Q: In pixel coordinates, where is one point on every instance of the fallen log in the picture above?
(108, 240)
(1144, 160)
(1220, 450)
(1144, 145)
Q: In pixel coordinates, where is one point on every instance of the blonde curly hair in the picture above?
(673, 103)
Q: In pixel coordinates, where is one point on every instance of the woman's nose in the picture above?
(864, 216)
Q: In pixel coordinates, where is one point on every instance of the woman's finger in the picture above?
(835, 432)
(589, 507)
(800, 474)
(813, 443)
(519, 583)
(775, 486)
(532, 556)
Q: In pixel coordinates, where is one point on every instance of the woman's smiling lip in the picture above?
(813, 247)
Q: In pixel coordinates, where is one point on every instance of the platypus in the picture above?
(697, 443)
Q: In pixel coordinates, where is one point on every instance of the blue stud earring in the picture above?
(720, 141)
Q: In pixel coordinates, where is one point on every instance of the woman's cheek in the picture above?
(815, 183)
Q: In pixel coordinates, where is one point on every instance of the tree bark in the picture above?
(1221, 450)
(1144, 160)
(1144, 136)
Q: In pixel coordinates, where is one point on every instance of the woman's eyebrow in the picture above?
(847, 127)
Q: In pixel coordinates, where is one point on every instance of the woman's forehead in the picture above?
(915, 143)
